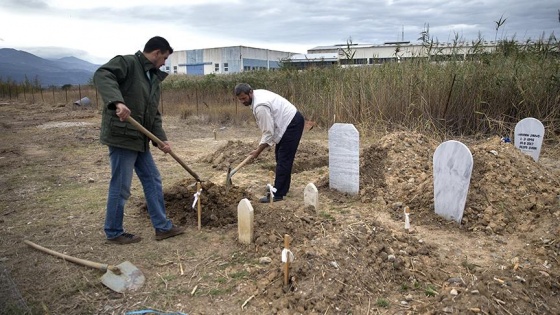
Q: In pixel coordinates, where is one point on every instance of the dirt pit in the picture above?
(218, 204)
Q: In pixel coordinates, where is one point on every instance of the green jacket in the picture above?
(124, 79)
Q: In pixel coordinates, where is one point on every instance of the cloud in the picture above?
(109, 27)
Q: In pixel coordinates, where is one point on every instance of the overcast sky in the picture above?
(96, 30)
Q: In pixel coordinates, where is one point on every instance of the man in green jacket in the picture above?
(130, 86)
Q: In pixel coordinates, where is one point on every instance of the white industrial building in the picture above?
(234, 59)
(224, 60)
(370, 54)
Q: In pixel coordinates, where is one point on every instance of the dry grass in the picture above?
(484, 96)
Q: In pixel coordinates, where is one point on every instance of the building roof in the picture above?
(345, 46)
(314, 57)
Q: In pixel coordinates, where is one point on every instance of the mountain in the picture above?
(18, 66)
(75, 63)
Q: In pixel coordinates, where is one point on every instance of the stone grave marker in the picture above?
(453, 163)
(245, 221)
(528, 137)
(344, 158)
(311, 196)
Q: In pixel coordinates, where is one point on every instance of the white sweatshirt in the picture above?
(273, 114)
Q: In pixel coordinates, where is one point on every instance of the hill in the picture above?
(19, 66)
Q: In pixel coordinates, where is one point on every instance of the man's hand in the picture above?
(166, 147)
(122, 111)
(255, 153)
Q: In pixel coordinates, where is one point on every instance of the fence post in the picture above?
(53, 98)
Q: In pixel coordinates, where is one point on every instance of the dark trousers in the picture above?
(285, 153)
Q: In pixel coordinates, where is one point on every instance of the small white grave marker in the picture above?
(453, 163)
(344, 158)
(311, 196)
(528, 137)
(245, 221)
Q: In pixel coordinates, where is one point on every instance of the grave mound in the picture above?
(509, 192)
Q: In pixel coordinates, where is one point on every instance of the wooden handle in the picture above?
(150, 135)
(247, 159)
(83, 262)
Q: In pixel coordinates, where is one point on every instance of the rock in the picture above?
(265, 260)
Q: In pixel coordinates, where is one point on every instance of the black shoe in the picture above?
(125, 238)
(174, 231)
(266, 199)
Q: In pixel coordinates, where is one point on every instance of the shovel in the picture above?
(120, 278)
(150, 135)
(231, 172)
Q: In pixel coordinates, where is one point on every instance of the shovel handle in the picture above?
(79, 261)
(247, 159)
(150, 135)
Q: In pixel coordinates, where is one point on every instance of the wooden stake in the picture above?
(198, 205)
(271, 175)
(287, 262)
(407, 219)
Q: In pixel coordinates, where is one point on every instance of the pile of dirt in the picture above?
(509, 191)
(218, 204)
(309, 156)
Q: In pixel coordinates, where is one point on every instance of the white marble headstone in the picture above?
(245, 221)
(344, 158)
(311, 196)
(453, 163)
(528, 137)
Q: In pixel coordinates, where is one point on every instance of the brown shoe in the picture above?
(125, 238)
(174, 231)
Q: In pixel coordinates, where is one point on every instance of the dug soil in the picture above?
(351, 253)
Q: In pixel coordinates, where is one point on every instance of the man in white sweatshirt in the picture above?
(282, 125)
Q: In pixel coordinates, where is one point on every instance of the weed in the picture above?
(430, 290)
(381, 302)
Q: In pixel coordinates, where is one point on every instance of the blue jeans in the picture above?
(123, 162)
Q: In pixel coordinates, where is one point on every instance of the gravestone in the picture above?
(528, 137)
(311, 196)
(245, 221)
(453, 163)
(344, 158)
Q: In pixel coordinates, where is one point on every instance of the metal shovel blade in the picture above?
(129, 279)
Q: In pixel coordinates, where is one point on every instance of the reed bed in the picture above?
(484, 94)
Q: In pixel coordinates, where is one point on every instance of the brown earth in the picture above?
(352, 254)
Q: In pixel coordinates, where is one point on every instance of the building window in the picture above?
(225, 67)
(216, 67)
(174, 69)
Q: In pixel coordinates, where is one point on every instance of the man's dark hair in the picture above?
(242, 88)
(158, 43)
